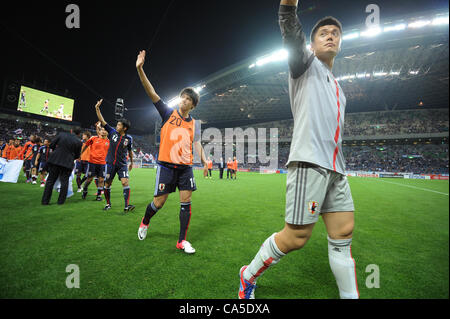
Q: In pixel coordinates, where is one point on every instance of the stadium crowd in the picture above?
(418, 159)
(378, 123)
(19, 131)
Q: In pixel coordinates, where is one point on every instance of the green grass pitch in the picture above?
(403, 230)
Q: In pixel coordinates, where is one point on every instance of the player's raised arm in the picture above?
(99, 114)
(144, 80)
(98, 126)
(294, 39)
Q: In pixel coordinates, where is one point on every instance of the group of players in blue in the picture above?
(117, 144)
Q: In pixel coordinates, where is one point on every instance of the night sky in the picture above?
(186, 40)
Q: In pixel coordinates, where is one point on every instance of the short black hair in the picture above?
(325, 21)
(126, 123)
(87, 133)
(192, 94)
(76, 131)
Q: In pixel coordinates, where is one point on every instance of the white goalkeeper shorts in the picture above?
(312, 190)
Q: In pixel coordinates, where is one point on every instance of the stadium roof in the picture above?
(401, 65)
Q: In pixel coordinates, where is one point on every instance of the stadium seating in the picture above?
(414, 158)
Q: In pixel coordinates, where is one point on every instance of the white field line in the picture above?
(423, 189)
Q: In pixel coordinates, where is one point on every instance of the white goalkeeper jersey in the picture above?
(317, 101)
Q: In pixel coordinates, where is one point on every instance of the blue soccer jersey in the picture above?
(44, 151)
(118, 148)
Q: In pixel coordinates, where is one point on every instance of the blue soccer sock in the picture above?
(108, 195)
(99, 191)
(185, 218)
(149, 213)
(126, 195)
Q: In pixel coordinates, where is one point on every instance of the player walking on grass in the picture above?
(34, 165)
(316, 181)
(120, 144)
(27, 153)
(99, 146)
(210, 167)
(229, 168)
(180, 133)
(81, 164)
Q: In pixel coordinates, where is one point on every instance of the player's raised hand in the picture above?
(97, 106)
(140, 59)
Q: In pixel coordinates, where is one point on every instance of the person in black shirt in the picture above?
(66, 148)
(221, 167)
(41, 160)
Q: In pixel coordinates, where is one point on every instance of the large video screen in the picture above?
(44, 103)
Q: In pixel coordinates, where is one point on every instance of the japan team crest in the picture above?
(313, 207)
(125, 143)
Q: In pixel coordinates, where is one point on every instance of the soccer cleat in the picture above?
(34, 182)
(107, 207)
(79, 190)
(42, 184)
(186, 246)
(98, 198)
(246, 288)
(84, 194)
(128, 209)
(142, 232)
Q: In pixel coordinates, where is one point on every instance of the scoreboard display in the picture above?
(44, 103)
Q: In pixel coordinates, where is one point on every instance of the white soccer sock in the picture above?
(343, 267)
(268, 255)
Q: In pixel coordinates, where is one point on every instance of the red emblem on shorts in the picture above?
(162, 187)
(312, 207)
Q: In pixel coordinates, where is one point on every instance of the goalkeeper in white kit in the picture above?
(316, 181)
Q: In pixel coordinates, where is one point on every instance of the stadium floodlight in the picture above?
(372, 32)
(414, 72)
(419, 24)
(394, 73)
(279, 55)
(351, 36)
(174, 102)
(398, 27)
(440, 21)
(200, 88)
(346, 77)
(362, 75)
(252, 66)
(377, 74)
